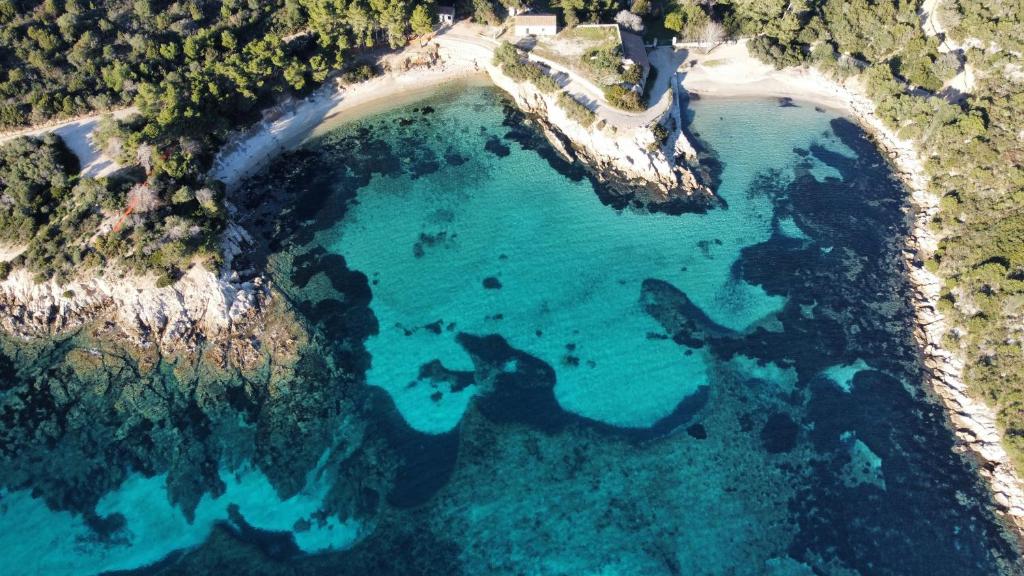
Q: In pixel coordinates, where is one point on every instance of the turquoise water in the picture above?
(569, 272)
(516, 378)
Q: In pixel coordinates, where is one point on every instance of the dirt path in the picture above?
(76, 133)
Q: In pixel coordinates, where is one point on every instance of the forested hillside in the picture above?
(196, 70)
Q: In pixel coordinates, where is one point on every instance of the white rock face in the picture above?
(628, 153)
(199, 306)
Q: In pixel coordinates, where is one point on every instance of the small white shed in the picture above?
(446, 15)
(536, 25)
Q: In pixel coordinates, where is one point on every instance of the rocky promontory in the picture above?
(218, 320)
(630, 160)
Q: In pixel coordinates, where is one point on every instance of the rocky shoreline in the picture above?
(628, 160)
(206, 307)
(201, 311)
(973, 422)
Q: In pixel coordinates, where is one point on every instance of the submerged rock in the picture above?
(779, 433)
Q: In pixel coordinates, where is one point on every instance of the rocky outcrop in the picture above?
(200, 310)
(974, 423)
(630, 159)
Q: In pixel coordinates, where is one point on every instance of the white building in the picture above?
(446, 15)
(536, 25)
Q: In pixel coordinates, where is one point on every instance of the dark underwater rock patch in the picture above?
(697, 431)
(424, 167)
(425, 462)
(496, 147)
(436, 374)
(520, 386)
(779, 434)
(274, 545)
(922, 475)
(454, 158)
(428, 240)
(492, 283)
(525, 394)
(677, 314)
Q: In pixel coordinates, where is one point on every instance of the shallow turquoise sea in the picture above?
(536, 382)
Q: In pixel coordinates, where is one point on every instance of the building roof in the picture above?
(536, 20)
(633, 49)
(446, 10)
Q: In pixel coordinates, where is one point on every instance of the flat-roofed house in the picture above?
(536, 25)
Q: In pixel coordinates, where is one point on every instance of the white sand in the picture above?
(250, 151)
(465, 50)
(729, 71)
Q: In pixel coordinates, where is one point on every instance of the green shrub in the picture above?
(508, 58)
(360, 74)
(506, 53)
(632, 74)
(623, 98)
(660, 136)
(575, 110)
(604, 64)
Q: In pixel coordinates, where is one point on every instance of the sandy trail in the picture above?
(77, 135)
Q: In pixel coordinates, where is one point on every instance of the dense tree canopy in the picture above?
(196, 70)
(34, 178)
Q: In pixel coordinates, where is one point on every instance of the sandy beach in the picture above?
(729, 71)
(249, 151)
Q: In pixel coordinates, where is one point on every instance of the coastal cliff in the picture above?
(204, 307)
